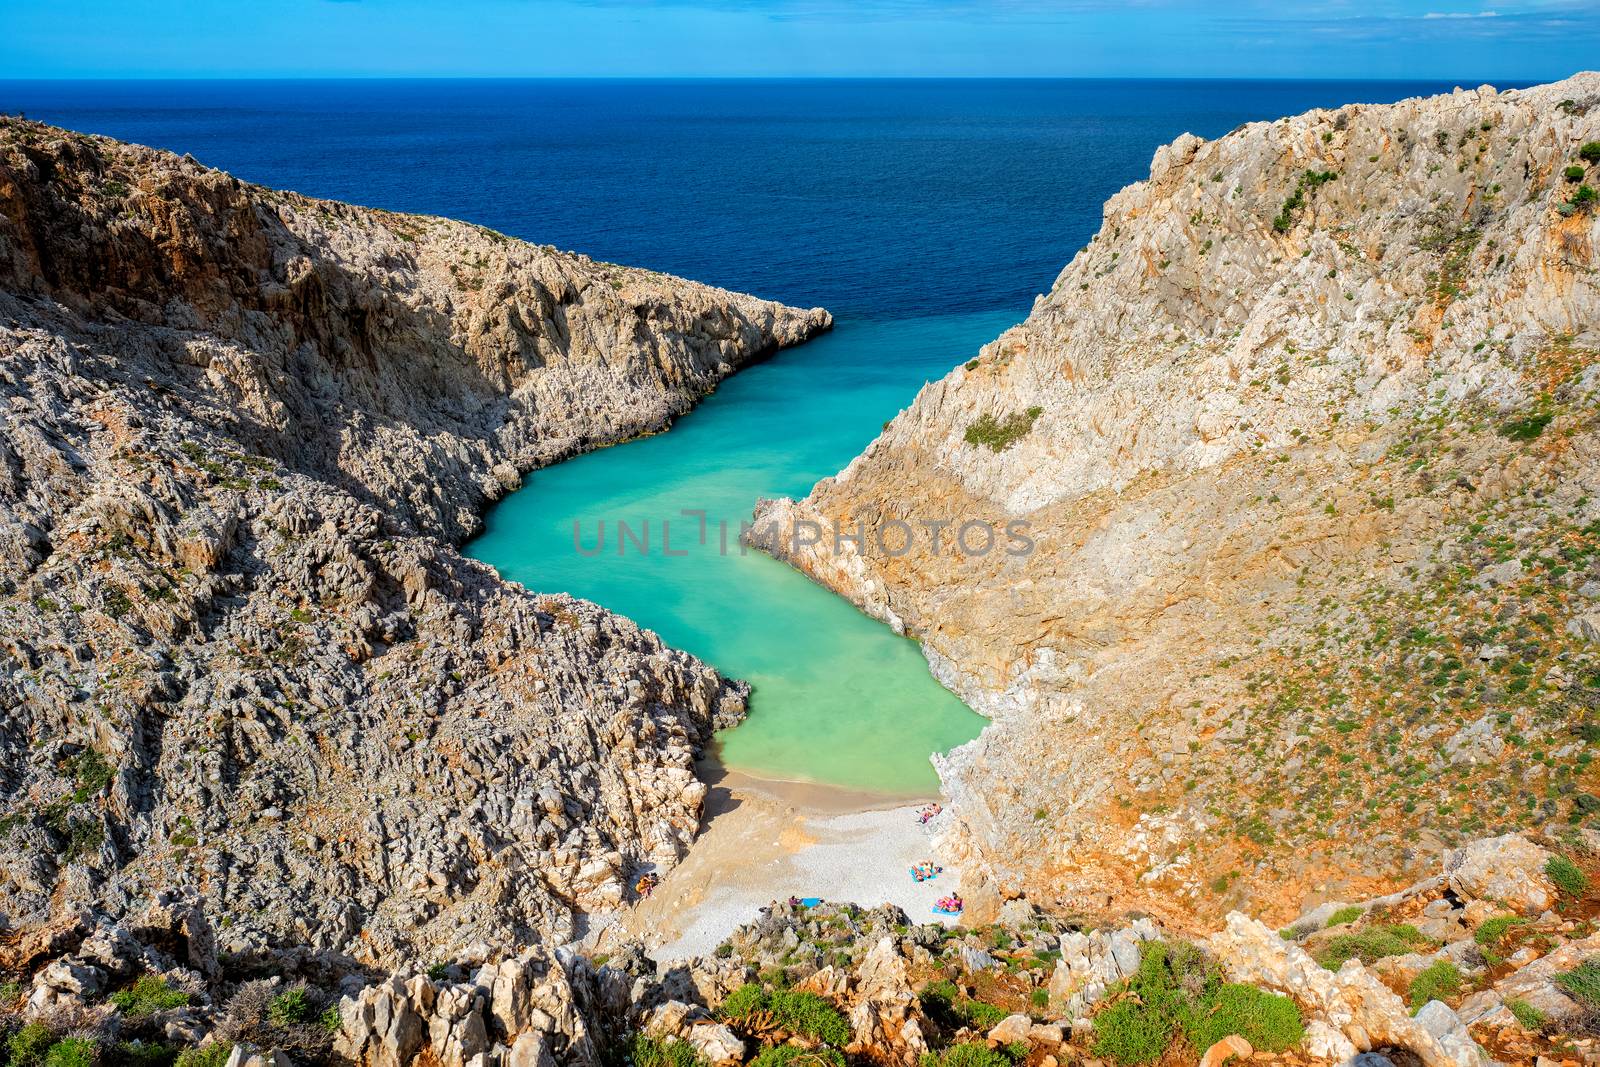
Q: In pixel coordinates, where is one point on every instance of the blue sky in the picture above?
(1447, 39)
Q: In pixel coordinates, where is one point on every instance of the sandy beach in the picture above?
(763, 840)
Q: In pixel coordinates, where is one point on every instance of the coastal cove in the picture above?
(924, 214)
(837, 698)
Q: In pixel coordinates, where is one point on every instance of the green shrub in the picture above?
(999, 435)
(811, 1016)
(1039, 998)
(1492, 931)
(73, 1052)
(1129, 1033)
(330, 1019)
(801, 1013)
(1175, 989)
(213, 1055)
(27, 1047)
(1590, 151)
(794, 1056)
(650, 1052)
(1527, 428)
(1585, 196)
(1371, 945)
(1582, 983)
(1345, 915)
(1439, 982)
(142, 1054)
(1266, 1020)
(1309, 181)
(947, 1007)
(970, 1054)
(1574, 173)
(1569, 881)
(739, 1004)
(1527, 1016)
(92, 774)
(147, 996)
(982, 1015)
(289, 1007)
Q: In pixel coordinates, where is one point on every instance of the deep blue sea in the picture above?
(924, 214)
(872, 198)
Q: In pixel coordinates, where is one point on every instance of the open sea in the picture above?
(925, 214)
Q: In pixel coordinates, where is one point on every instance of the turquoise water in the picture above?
(838, 698)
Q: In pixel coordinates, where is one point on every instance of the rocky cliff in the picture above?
(242, 431)
(1305, 443)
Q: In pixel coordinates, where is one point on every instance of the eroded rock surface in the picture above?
(242, 430)
(1304, 444)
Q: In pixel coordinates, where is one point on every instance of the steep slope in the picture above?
(1304, 441)
(242, 429)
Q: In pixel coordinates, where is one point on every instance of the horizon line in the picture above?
(1473, 81)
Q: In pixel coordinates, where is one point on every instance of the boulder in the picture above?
(1508, 869)
(1012, 1028)
(974, 959)
(1451, 1033)
(716, 1043)
(1091, 964)
(1232, 1047)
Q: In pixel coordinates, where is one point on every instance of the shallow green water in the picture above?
(838, 698)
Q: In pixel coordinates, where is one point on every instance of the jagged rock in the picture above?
(176, 924)
(1447, 1028)
(385, 1025)
(244, 430)
(1348, 1010)
(244, 1054)
(1091, 964)
(531, 1049)
(1507, 869)
(1534, 984)
(887, 1017)
(717, 1043)
(1585, 626)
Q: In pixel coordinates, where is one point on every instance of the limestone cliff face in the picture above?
(1305, 438)
(241, 431)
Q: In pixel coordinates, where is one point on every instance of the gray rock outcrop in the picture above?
(242, 432)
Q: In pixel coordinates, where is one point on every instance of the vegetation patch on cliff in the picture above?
(1178, 992)
(997, 435)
